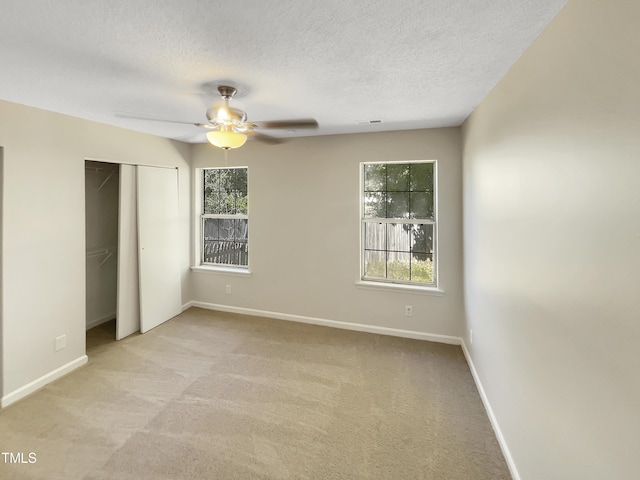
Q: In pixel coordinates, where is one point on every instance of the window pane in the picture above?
(398, 205)
(398, 237)
(398, 266)
(240, 181)
(217, 201)
(422, 238)
(421, 204)
(398, 177)
(240, 230)
(375, 176)
(210, 228)
(422, 268)
(421, 177)
(211, 238)
(218, 204)
(375, 205)
(226, 241)
(374, 236)
(228, 201)
(374, 264)
(209, 177)
(225, 228)
(225, 191)
(211, 181)
(226, 180)
(241, 203)
(239, 191)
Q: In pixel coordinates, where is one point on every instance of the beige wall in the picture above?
(44, 230)
(552, 246)
(304, 231)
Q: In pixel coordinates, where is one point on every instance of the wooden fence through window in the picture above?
(226, 253)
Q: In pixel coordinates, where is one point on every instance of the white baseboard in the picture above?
(360, 327)
(42, 381)
(492, 418)
(101, 320)
(187, 305)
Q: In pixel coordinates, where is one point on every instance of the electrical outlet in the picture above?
(61, 342)
(471, 336)
(408, 311)
(227, 290)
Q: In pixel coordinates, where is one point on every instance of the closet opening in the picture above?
(132, 240)
(102, 193)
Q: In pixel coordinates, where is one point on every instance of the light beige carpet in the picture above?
(210, 395)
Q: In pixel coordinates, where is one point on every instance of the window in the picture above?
(225, 219)
(399, 222)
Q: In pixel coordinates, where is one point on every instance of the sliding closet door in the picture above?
(128, 310)
(158, 246)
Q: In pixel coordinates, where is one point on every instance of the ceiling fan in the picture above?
(228, 127)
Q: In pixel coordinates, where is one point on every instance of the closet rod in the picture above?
(98, 252)
(108, 252)
(105, 181)
(109, 255)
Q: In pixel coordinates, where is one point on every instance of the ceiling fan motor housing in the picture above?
(226, 91)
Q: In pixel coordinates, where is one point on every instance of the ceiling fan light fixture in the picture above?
(223, 113)
(226, 139)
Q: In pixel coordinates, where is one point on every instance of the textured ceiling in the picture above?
(409, 63)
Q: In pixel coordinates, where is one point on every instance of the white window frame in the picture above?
(376, 282)
(201, 265)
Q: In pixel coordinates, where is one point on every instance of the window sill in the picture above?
(240, 272)
(400, 287)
